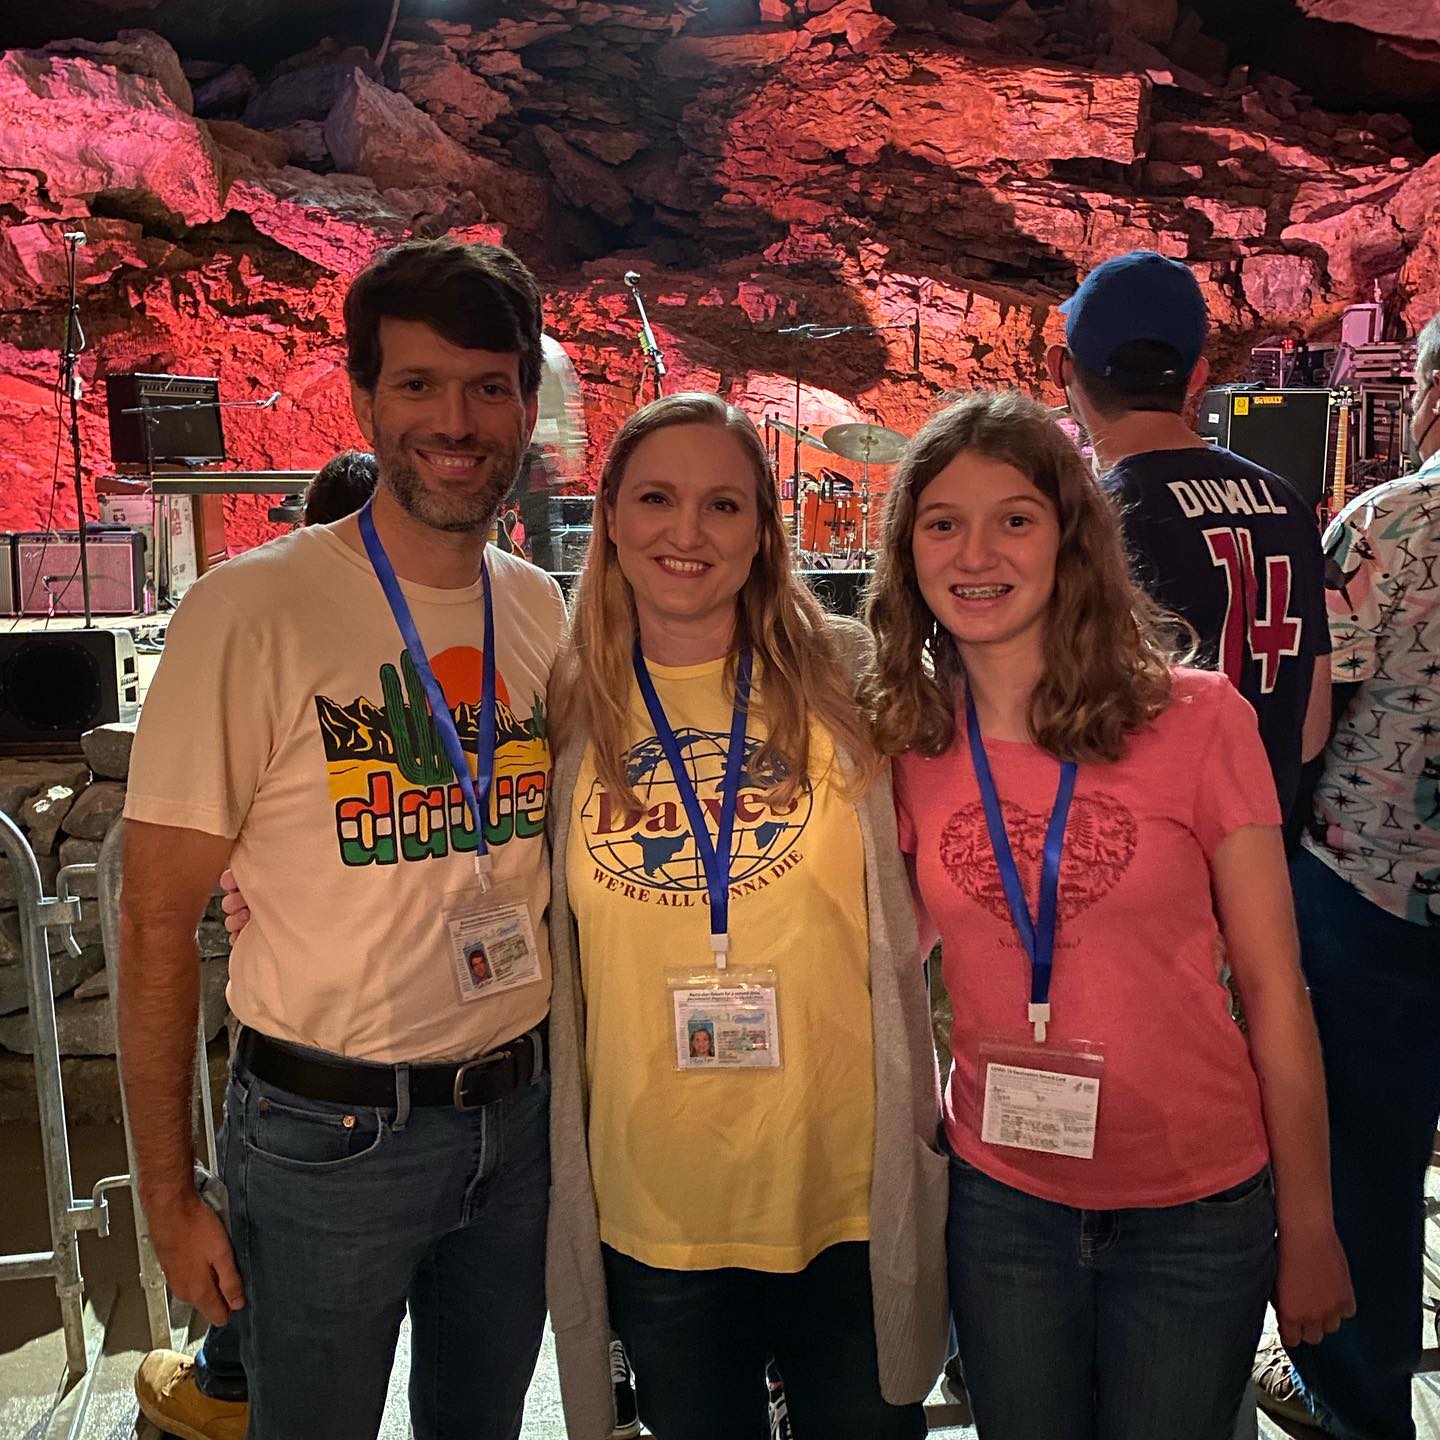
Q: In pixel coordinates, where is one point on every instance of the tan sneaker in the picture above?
(169, 1398)
(1278, 1387)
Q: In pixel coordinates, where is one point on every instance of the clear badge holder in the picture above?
(724, 1019)
(491, 939)
(1039, 1096)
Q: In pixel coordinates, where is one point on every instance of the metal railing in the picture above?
(42, 916)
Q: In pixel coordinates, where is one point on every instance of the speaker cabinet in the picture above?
(1286, 431)
(47, 572)
(56, 686)
(841, 592)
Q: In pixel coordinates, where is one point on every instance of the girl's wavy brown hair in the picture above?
(1108, 652)
(800, 678)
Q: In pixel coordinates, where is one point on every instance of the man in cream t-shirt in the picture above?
(385, 1142)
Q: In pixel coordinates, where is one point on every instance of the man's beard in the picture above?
(457, 510)
(1416, 455)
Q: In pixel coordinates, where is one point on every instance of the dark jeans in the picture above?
(340, 1218)
(1375, 985)
(1107, 1324)
(698, 1342)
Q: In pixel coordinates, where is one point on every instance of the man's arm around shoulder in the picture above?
(169, 875)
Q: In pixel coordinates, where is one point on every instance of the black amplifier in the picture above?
(184, 419)
(1287, 431)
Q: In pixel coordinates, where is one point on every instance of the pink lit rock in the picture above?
(376, 132)
(136, 52)
(1280, 287)
(86, 128)
(1404, 19)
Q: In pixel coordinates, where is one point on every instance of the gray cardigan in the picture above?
(909, 1192)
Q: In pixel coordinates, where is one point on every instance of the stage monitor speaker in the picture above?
(1286, 431)
(56, 686)
(841, 592)
(191, 434)
(47, 572)
(8, 603)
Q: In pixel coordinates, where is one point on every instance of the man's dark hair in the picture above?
(1113, 397)
(480, 297)
(340, 487)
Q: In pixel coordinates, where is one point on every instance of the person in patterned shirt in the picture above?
(1367, 895)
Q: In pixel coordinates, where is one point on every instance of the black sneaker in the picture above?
(780, 1428)
(952, 1387)
(627, 1420)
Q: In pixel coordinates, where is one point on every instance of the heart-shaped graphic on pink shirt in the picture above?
(1099, 846)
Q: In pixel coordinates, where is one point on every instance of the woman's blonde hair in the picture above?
(800, 679)
(1107, 650)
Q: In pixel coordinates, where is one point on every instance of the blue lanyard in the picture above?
(1037, 935)
(714, 856)
(477, 790)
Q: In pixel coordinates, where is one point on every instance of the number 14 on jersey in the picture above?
(1270, 632)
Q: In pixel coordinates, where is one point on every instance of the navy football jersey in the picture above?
(1233, 550)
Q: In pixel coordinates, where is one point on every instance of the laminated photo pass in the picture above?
(1040, 1097)
(725, 1021)
(492, 943)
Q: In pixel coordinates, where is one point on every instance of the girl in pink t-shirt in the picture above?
(1085, 825)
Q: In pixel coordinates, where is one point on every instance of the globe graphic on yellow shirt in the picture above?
(658, 850)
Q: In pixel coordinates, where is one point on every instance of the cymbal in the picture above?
(804, 436)
(874, 444)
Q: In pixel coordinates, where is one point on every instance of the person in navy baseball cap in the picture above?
(1129, 312)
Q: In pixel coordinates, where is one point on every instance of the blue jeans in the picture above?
(698, 1342)
(340, 1217)
(1107, 1324)
(1375, 985)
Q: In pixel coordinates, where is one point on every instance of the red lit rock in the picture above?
(460, 102)
(584, 182)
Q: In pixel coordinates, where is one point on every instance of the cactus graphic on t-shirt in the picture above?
(395, 795)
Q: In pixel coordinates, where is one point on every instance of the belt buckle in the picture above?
(484, 1062)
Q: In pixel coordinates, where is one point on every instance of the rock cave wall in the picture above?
(759, 162)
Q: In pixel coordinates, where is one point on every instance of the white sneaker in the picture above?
(1278, 1387)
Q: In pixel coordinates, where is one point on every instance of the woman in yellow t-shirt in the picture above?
(743, 1115)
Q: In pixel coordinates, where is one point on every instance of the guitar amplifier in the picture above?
(7, 575)
(191, 434)
(47, 572)
(1286, 431)
(56, 686)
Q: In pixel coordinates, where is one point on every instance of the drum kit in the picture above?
(832, 517)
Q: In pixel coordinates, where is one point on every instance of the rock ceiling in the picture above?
(849, 162)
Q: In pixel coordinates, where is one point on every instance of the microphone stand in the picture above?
(819, 332)
(654, 357)
(70, 384)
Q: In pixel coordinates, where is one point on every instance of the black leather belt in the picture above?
(467, 1085)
